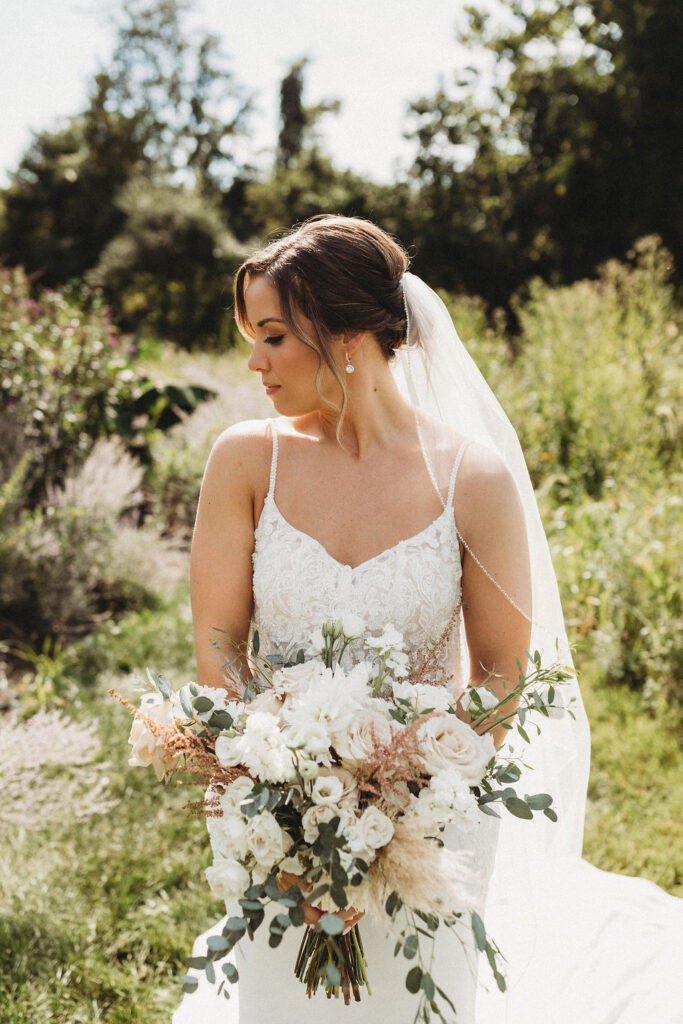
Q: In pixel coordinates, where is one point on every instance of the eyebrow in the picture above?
(269, 319)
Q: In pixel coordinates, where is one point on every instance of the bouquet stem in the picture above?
(344, 953)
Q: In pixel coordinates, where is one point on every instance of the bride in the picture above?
(391, 485)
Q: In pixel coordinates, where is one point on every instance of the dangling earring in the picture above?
(350, 368)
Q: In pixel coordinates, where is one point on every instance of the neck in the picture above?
(376, 414)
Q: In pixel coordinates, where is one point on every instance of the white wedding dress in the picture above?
(416, 586)
(597, 948)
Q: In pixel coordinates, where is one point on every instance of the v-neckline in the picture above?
(366, 561)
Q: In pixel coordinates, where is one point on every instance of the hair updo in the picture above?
(343, 273)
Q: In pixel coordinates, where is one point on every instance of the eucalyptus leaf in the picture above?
(198, 962)
(231, 973)
(479, 931)
(202, 704)
(414, 979)
(410, 947)
(427, 986)
(217, 943)
(190, 983)
(331, 924)
(164, 687)
(333, 975)
(519, 808)
(539, 801)
(236, 924)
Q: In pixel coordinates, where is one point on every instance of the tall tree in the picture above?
(165, 109)
(298, 122)
(569, 158)
(190, 108)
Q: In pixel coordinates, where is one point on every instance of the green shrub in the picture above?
(592, 392)
(619, 570)
(64, 375)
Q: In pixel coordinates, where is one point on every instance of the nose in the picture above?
(258, 360)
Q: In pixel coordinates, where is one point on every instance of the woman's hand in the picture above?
(287, 879)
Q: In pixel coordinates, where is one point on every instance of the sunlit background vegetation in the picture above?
(549, 217)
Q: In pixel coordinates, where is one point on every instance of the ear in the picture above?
(352, 340)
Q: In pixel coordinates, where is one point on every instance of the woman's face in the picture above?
(288, 367)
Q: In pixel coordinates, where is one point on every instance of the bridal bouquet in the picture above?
(330, 782)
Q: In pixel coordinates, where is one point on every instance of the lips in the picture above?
(271, 388)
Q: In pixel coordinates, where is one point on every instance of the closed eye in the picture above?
(273, 339)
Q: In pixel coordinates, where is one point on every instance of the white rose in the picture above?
(227, 879)
(267, 841)
(327, 790)
(228, 833)
(229, 750)
(297, 678)
(267, 701)
(446, 742)
(421, 696)
(237, 791)
(320, 813)
(375, 829)
(487, 698)
(148, 748)
(358, 737)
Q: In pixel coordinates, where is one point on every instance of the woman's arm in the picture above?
(222, 545)
(491, 519)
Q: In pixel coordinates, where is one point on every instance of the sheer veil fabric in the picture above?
(582, 946)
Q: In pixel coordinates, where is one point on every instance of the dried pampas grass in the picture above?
(428, 877)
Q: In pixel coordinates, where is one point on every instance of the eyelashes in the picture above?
(273, 339)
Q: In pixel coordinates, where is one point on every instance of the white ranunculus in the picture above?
(227, 879)
(487, 698)
(148, 748)
(266, 840)
(328, 789)
(375, 828)
(355, 740)
(447, 742)
(422, 696)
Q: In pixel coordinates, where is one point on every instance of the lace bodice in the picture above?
(415, 585)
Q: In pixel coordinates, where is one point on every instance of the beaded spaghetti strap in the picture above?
(468, 549)
(273, 461)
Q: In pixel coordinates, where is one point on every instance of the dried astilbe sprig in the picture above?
(434, 657)
(384, 773)
(191, 754)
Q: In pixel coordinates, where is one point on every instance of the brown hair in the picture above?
(343, 273)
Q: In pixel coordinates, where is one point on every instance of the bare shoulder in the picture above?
(486, 489)
(240, 458)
